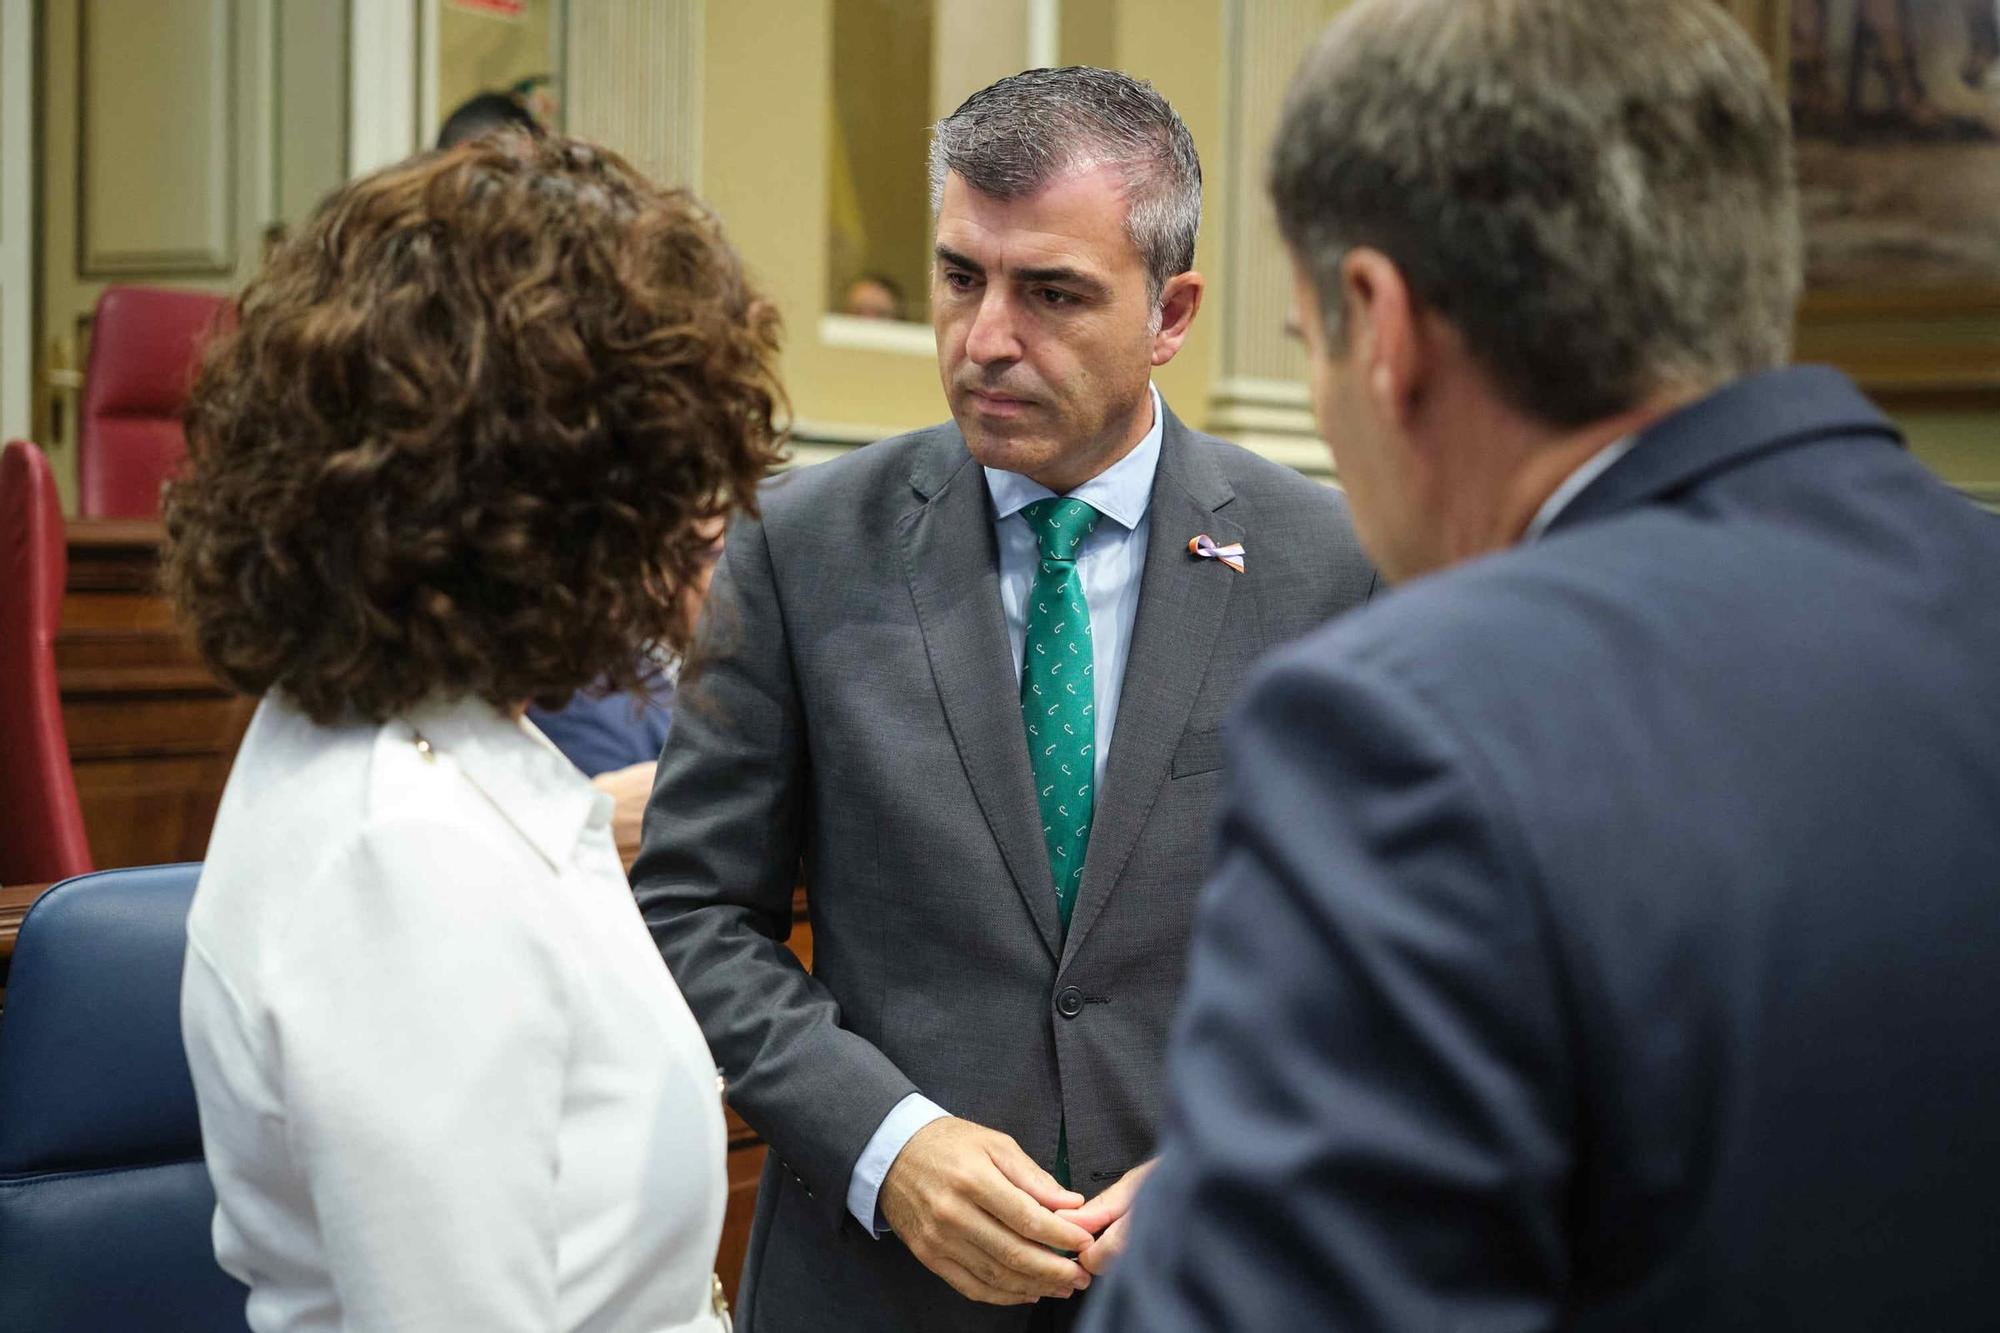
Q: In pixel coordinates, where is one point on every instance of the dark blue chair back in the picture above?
(105, 1204)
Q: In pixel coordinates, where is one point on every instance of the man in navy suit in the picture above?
(1605, 925)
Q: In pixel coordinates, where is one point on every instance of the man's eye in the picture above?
(958, 282)
(1052, 297)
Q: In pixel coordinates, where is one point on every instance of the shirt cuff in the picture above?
(897, 1128)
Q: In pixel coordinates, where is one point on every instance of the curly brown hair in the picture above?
(466, 432)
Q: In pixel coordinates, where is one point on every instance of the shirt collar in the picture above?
(1575, 483)
(1121, 492)
(516, 768)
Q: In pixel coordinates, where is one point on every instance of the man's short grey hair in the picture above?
(1011, 138)
(1599, 196)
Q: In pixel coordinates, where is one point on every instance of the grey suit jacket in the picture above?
(855, 715)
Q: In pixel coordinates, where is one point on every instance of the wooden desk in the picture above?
(746, 1150)
(15, 900)
(151, 732)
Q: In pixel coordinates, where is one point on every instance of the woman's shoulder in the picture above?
(375, 825)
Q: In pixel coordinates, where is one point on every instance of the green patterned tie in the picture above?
(1058, 705)
(1057, 695)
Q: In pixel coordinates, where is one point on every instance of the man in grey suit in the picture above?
(1605, 931)
(970, 682)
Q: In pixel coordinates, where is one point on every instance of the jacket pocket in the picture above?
(1198, 752)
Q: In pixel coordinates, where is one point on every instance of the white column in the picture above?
(1260, 397)
(633, 82)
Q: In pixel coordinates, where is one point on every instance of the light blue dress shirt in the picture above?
(1111, 563)
(1576, 483)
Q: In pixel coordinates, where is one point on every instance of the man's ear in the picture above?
(1385, 335)
(1180, 299)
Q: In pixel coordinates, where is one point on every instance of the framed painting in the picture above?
(1896, 112)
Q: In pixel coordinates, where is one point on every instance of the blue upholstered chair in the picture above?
(104, 1201)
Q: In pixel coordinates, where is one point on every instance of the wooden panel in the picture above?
(746, 1164)
(129, 726)
(150, 810)
(156, 192)
(118, 612)
(746, 1150)
(151, 732)
(15, 900)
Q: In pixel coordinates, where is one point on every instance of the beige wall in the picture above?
(764, 145)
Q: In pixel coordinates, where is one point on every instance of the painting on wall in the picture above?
(1896, 112)
(1896, 105)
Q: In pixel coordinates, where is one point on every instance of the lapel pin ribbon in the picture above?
(1204, 546)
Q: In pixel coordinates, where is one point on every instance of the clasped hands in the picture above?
(977, 1211)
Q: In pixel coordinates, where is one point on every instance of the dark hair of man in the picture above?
(1011, 138)
(483, 113)
(466, 433)
(1599, 196)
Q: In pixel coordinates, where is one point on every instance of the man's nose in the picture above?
(993, 336)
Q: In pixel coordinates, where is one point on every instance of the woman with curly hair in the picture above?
(463, 449)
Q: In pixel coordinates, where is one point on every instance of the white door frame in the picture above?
(17, 217)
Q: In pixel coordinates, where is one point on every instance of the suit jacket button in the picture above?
(1069, 1002)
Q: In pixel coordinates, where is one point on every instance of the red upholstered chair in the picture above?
(41, 824)
(144, 345)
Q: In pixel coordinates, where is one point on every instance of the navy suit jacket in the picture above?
(1605, 934)
(604, 733)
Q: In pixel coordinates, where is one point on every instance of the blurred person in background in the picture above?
(615, 739)
(465, 447)
(483, 114)
(874, 296)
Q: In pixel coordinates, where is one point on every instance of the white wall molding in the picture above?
(822, 441)
(900, 337)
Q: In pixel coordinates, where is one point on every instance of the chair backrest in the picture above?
(145, 343)
(105, 1205)
(41, 823)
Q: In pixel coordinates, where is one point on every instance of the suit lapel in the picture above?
(953, 562)
(1182, 601)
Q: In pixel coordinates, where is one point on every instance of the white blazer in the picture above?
(445, 1080)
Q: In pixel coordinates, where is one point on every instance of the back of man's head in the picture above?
(483, 113)
(1598, 196)
(1012, 137)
